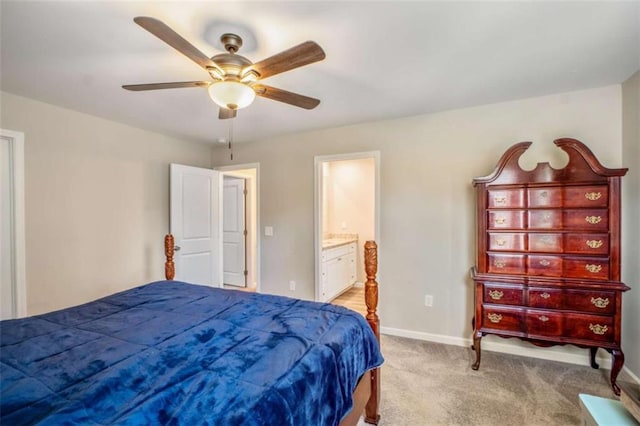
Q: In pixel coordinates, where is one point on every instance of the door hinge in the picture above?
(246, 272)
(244, 191)
(244, 232)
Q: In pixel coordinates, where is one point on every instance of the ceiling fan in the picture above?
(235, 79)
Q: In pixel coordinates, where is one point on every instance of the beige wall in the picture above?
(631, 221)
(96, 201)
(351, 203)
(427, 201)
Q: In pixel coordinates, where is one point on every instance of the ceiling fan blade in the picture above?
(298, 56)
(286, 97)
(156, 86)
(226, 113)
(175, 40)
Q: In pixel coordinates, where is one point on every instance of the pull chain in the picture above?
(230, 138)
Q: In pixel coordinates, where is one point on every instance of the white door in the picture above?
(195, 224)
(7, 296)
(13, 296)
(234, 231)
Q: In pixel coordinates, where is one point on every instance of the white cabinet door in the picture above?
(352, 267)
(338, 270)
(334, 272)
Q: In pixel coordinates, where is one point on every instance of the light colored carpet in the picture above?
(427, 383)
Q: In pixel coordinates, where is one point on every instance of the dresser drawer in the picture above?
(586, 267)
(586, 243)
(545, 219)
(544, 323)
(578, 326)
(506, 263)
(503, 295)
(590, 327)
(585, 219)
(589, 219)
(505, 198)
(548, 266)
(544, 197)
(506, 219)
(548, 243)
(586, 196)
(502, 318)
(603, 302)
(507, 241)
(590, 196)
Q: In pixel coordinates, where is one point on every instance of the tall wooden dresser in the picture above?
(548, 254)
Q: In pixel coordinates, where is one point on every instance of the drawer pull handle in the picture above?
(500, 200)
(594, 244)
(600, 302)
(496, 294)
(501, 242)
(593, 219)
(500, 220)
(543, 318)
(593, 196)
(598, 329)
(543, 194)
(499, 263)
(594, 269)
(545, 262)
(494, 318)
(545, 295)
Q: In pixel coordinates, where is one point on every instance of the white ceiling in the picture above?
(384, 59)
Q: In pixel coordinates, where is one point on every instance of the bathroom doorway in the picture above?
(347, 214)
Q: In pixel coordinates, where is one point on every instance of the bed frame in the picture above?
(366, 396)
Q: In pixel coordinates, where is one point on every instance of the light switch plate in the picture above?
(268, 231)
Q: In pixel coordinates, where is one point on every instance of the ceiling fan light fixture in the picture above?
(231, 94)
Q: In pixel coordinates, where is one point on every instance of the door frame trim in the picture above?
(16, 142)
(256, 166)
(318, 161)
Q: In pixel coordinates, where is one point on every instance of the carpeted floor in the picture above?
(427, 383)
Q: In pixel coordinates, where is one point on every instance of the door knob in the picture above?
(176, 248)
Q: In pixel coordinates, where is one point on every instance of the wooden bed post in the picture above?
(371, 298)
(169, 266)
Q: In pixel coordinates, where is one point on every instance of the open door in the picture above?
(195, 223)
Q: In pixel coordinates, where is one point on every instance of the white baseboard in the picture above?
(358, 285)
(553, 353)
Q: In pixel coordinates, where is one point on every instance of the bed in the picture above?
(170, 352)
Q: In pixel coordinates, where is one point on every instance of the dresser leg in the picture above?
(592, 352)
(476, 346)
(616, 366)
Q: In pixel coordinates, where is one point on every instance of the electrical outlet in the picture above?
(292, 285)
(428, 300)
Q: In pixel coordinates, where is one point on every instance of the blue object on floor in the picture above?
(604, 412)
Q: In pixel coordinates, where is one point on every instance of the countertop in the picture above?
(336, 242)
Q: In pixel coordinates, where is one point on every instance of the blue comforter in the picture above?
(175, 353)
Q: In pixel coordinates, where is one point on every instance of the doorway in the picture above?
(241, 206)
(347, 209)
(13, 298)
